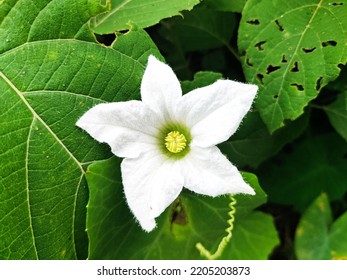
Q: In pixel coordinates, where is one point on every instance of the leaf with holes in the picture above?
(291, 50)
(114, 233)
(47, 81)
(337, 114)
(317, 237)
(142, 13)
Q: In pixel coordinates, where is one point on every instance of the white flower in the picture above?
(168, 140)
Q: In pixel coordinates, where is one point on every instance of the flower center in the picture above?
(175, 142)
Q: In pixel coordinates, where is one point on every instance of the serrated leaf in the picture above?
(291, 50)
(47, 81)
(337, 114)
(317, 237)
(142, 13)
(114, 234)
(307, 168)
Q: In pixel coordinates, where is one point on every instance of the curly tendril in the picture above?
(226, 239)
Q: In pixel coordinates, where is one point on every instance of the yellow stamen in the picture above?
(175, 142)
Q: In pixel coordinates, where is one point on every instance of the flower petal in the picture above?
(160, 88)
(151, 183)
(128, 127)
(215, 112)
(207, 171)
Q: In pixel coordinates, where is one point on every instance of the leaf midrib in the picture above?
(35, 115)
(109, 14)
(273, 117)
(27, 185)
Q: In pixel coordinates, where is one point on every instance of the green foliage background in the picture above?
(61, 194)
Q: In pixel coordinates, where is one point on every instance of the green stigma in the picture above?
(175, 142)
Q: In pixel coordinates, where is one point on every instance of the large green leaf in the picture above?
(300, 173)
(337, 113)
(317, 237)
(142, 13)
(48, 79)
(114, 233)
(291, 49)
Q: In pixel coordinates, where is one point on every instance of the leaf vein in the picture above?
(27, 186)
